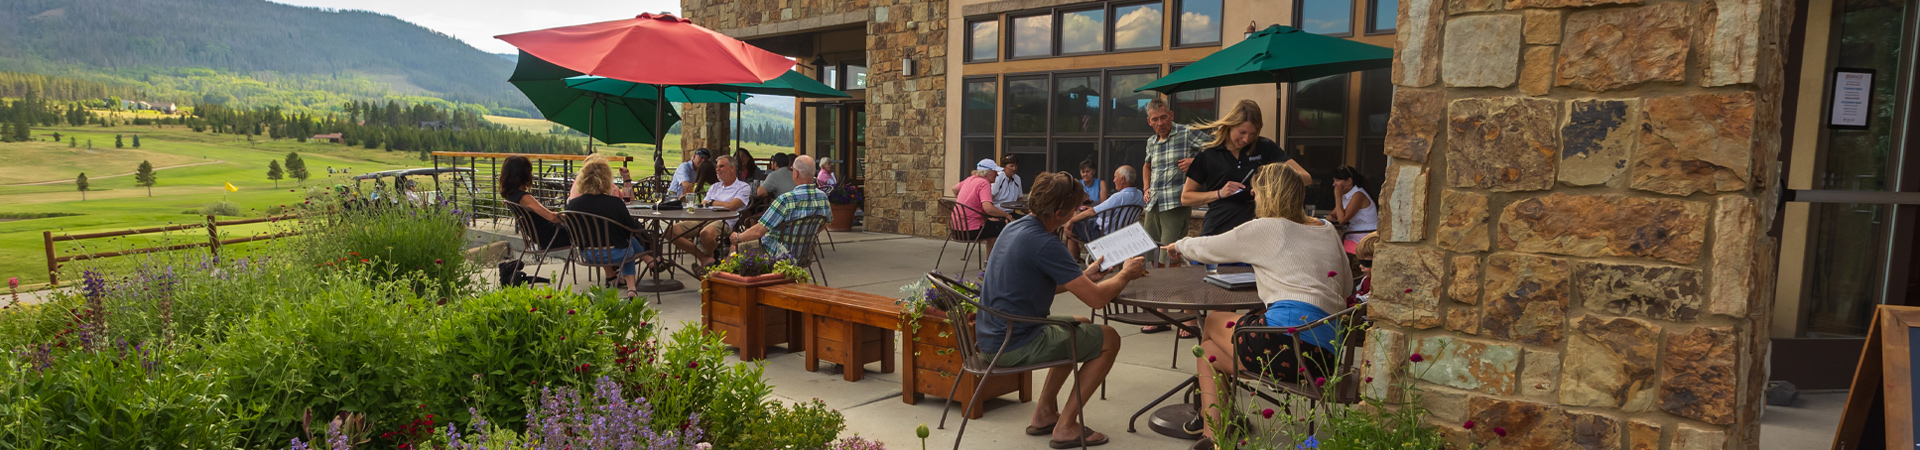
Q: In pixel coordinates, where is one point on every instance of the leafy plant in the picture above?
(1397, 422)
(220, 208)
(396, 240)
(847, 195)
(690, 375)
(124, 396)
(505, 346)
(753, 264)
(808, 425)
(564, 418)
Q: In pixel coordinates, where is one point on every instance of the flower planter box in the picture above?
(730, 304)
(842, 218)
(932, 363)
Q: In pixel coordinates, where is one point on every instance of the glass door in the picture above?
(856, 142)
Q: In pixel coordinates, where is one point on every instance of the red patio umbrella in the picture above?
(660, 50)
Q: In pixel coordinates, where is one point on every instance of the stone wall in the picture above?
(1575, 219)
(906, 116)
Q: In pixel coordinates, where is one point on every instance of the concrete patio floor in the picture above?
(882, 263)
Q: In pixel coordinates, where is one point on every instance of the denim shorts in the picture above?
(630, 267)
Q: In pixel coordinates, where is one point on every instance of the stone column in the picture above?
(1575, 219)
(906, 116)
(706, 126)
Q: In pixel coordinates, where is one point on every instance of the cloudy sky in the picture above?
(477, 21)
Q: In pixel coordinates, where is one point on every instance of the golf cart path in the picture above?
(70, 180)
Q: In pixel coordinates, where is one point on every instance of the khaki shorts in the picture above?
(1167, 227)
(1051, 345)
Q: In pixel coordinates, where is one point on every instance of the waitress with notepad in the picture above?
(1300, 271)
(1218, 177)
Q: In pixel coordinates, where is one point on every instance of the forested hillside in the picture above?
(252, 47)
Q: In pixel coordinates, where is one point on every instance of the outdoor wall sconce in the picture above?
(1250, 31)
(906, 67)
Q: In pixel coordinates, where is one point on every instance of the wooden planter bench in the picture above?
(854, 328)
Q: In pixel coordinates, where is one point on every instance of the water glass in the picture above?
(1213, 269)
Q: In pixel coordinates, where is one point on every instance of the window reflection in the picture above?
(1076, 107)
(1032, 36)
(986, 40)
(1333, 17)
(856, 77)
(1196, 106)
(1083, 31)
(977, 113)
(1319, 107)
(1127, 113)
(1199, 22)
(1385, 13)
(1136, 27)
(1027, 106)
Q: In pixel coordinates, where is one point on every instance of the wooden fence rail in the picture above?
(212, 243)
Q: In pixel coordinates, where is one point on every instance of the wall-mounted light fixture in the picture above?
(1250, 31)
(906, 67)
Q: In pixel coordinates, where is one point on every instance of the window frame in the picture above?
(1060, 28)
(1053, 47)
(1373, 15)
(969, 43)
(1173, 13)
(1113, 25)
(1300, 17)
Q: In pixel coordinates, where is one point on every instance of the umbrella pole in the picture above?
(736, 122)
(590, 106)
(659, 129)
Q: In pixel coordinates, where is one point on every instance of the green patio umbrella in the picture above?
(791, 84)
(629, 89)
(607, 118)
(1278, 54)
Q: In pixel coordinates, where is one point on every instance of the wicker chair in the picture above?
(592, 233)
(530, 244)
(955, 299)
(970, 239)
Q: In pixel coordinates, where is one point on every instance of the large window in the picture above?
(1328, 17)
(845, 76)
(1376, 102)
(1198, 24)
(1137, 27)
(982, 97)
(1317, 132)
(1382, 15)
(1032, 36)
(983, 40)
(1053, 121)
(1076, 104)
(1127, 111)
(1026, 105)
(1083, 32)
(856, 76)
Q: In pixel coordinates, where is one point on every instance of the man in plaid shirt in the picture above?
(1169, 152)
(803, 201)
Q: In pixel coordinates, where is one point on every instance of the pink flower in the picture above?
(1317, 381)
(533, 309)
(1468, 425)
(569, 312)
(693, 364)
(1331, 274)
(1292, 330)
(1502, 432)
(13, 283)
(1369, 379)
(1409, 290)
(1266, 413)
(436, 262)
(1229, 324)
(1416, 357)
(1210, 358)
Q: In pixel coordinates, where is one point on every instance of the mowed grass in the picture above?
(642, 151)
(116, 203)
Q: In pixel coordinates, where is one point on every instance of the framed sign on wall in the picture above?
(1852, 98)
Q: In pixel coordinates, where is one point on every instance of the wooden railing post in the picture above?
(213, 237)
(53, 268)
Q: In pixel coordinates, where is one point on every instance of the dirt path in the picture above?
(70, 180)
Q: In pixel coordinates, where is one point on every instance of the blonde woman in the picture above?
(1301, 274)
(595, 187)
(1218, 177)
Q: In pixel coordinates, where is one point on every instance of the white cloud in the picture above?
(1195, 27)
(986, 41)
(1138, 28)
(1033, 37)
(1083, 32)
(1323, 26)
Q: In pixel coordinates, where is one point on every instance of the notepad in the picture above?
(1117, 247)
(1231, 281)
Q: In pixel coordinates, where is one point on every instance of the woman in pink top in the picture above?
(976, 193)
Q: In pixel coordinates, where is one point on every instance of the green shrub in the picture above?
(119, 397)
(803, 426)
(398, 240)
(689, 374)
(503, 347)
(220, 208)
(350, 348)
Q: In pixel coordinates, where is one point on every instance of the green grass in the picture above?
(672, 145)
(115, 203)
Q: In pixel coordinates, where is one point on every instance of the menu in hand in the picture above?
(1117, 247)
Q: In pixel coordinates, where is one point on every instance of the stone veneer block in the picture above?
(1695, 143)
(1458, 7)
(1502, 144)
(1593, 431)
(1669, 293)
(1445, 404)
(1416, 59)
(1482, 51)
(1605, 225)
(1464, 320)
(1543, 26)
(1415, 123)
(1529, 425)
(1608, 49)
(1733, 255)
(1525, 299)
(1465, 287)
(1482, 366)
(1596, 140)
(1692, 437)
(1731, 48)
(1518, 4)
(1407, 285)
(1643, 435)
(1383, 356)
(1464, 228)
(1609, 364)
(1540, 375)
(1697, 375)
(1403, 206)
(1536, 71)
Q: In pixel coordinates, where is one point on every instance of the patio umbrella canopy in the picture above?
(1278, 54)
(607, 118)
(629, 89)
(661, 50)
(791, 84)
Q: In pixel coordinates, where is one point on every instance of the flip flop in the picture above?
(1185, 335)
(1039, 431)
(1151, 329)
(1086, 434)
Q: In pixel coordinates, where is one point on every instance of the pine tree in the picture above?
(136, 141)
(119, 142)
(144, 176)
(297, 167)
(274, 173)
(81, 182)
(73, 142)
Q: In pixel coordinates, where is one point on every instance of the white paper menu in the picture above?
(1117, 247)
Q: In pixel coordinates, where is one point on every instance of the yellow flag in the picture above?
(230, 188)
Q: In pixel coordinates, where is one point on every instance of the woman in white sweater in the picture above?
(1300, 269)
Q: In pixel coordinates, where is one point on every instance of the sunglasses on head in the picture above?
(1366, 263)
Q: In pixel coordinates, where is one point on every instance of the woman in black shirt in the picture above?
(595, 185)
(1219, 175)
(516, 176)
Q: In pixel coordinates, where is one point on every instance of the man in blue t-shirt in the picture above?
(1030, 266)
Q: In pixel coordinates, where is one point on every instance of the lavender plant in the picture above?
(564, 419)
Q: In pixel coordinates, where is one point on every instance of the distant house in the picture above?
(168, 108)
(329, 137)
(432, 125)
(145, 105)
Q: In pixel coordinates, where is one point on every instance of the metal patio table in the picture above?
(661, 220)
(1182, 289)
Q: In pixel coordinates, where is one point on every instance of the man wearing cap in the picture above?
(1008, 188)
(688, 174)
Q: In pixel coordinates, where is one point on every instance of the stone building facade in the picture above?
(1576, 219)
(906, 115)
